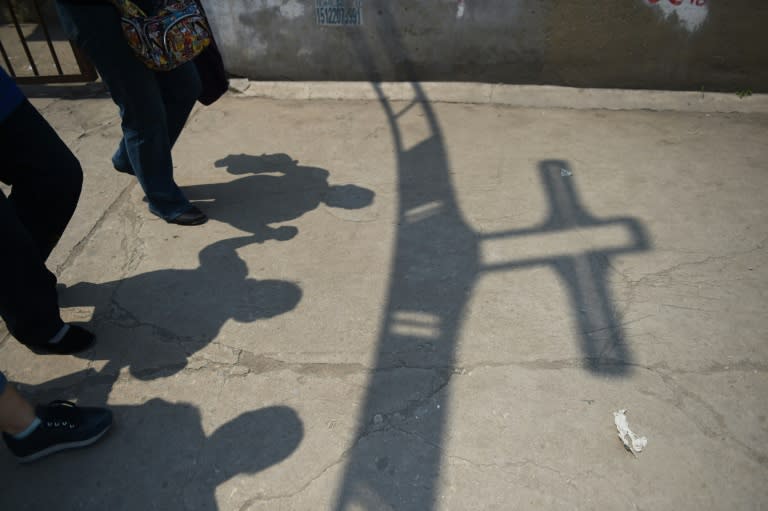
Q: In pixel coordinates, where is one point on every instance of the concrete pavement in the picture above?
(410, 306)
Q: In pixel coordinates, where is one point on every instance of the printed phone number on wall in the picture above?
(339, 12)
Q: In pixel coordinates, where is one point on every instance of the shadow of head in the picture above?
(254, 441)
(160, 456)
(238, 164)
(348, 197)
(247, 444)
(264, 299)
(302, 177)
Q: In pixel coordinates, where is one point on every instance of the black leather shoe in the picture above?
(124, 170)
(193, 216)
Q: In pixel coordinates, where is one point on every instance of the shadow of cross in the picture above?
(579, 247)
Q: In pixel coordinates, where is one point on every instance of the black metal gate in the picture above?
(34, 47)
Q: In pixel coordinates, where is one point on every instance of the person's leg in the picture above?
(180, 89)
(28, 300)
(45, 181)
(32, 433)
(134, 88)
(16, 414)
(45, 176)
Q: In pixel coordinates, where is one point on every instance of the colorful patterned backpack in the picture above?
(174, 33)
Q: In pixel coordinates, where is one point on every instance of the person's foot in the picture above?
(192, 216)
(63, 425)
(123, 169)
(75, 340)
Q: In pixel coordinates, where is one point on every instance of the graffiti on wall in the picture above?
(690, 14)
(339, 12)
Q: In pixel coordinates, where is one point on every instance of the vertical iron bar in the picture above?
(48, 38)
(7, 60)
(21, 37)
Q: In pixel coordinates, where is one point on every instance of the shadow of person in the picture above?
(275, 189)
(151, 323)
(158, 457)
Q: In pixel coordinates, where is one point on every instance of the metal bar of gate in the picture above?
(22, 39)
(86, 72)
(8, 64)
(48, 37)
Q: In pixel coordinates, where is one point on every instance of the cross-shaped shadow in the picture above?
(584, 274)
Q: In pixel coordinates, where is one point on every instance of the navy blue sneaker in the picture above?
(63, 426)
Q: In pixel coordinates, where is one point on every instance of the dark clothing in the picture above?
(153, 105)
(10, 95)
(45, 180)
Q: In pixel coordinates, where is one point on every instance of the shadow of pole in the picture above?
(436, 262)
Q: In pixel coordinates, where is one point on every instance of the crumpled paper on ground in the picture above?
(634, 444)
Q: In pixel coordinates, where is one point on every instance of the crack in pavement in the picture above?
(250, 502)
(514, 464)
(682, 398)
(650, 278)
(86, 132)
(373, 427)
(79, 247)
(665, 272)
(121, 317)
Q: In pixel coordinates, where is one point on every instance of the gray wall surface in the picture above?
(666, 44)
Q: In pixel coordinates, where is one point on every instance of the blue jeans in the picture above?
(45, 180)
(153, 105)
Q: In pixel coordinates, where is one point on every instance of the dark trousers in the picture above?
(153, 105)
(45, 179)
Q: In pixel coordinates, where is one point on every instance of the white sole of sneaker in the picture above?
(62, 447)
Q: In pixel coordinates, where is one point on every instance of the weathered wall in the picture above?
(669, 44)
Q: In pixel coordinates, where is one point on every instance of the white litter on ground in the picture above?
(632, 442)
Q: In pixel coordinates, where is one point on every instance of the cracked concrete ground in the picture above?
(428, 307)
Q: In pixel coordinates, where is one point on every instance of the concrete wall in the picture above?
(669, 44)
